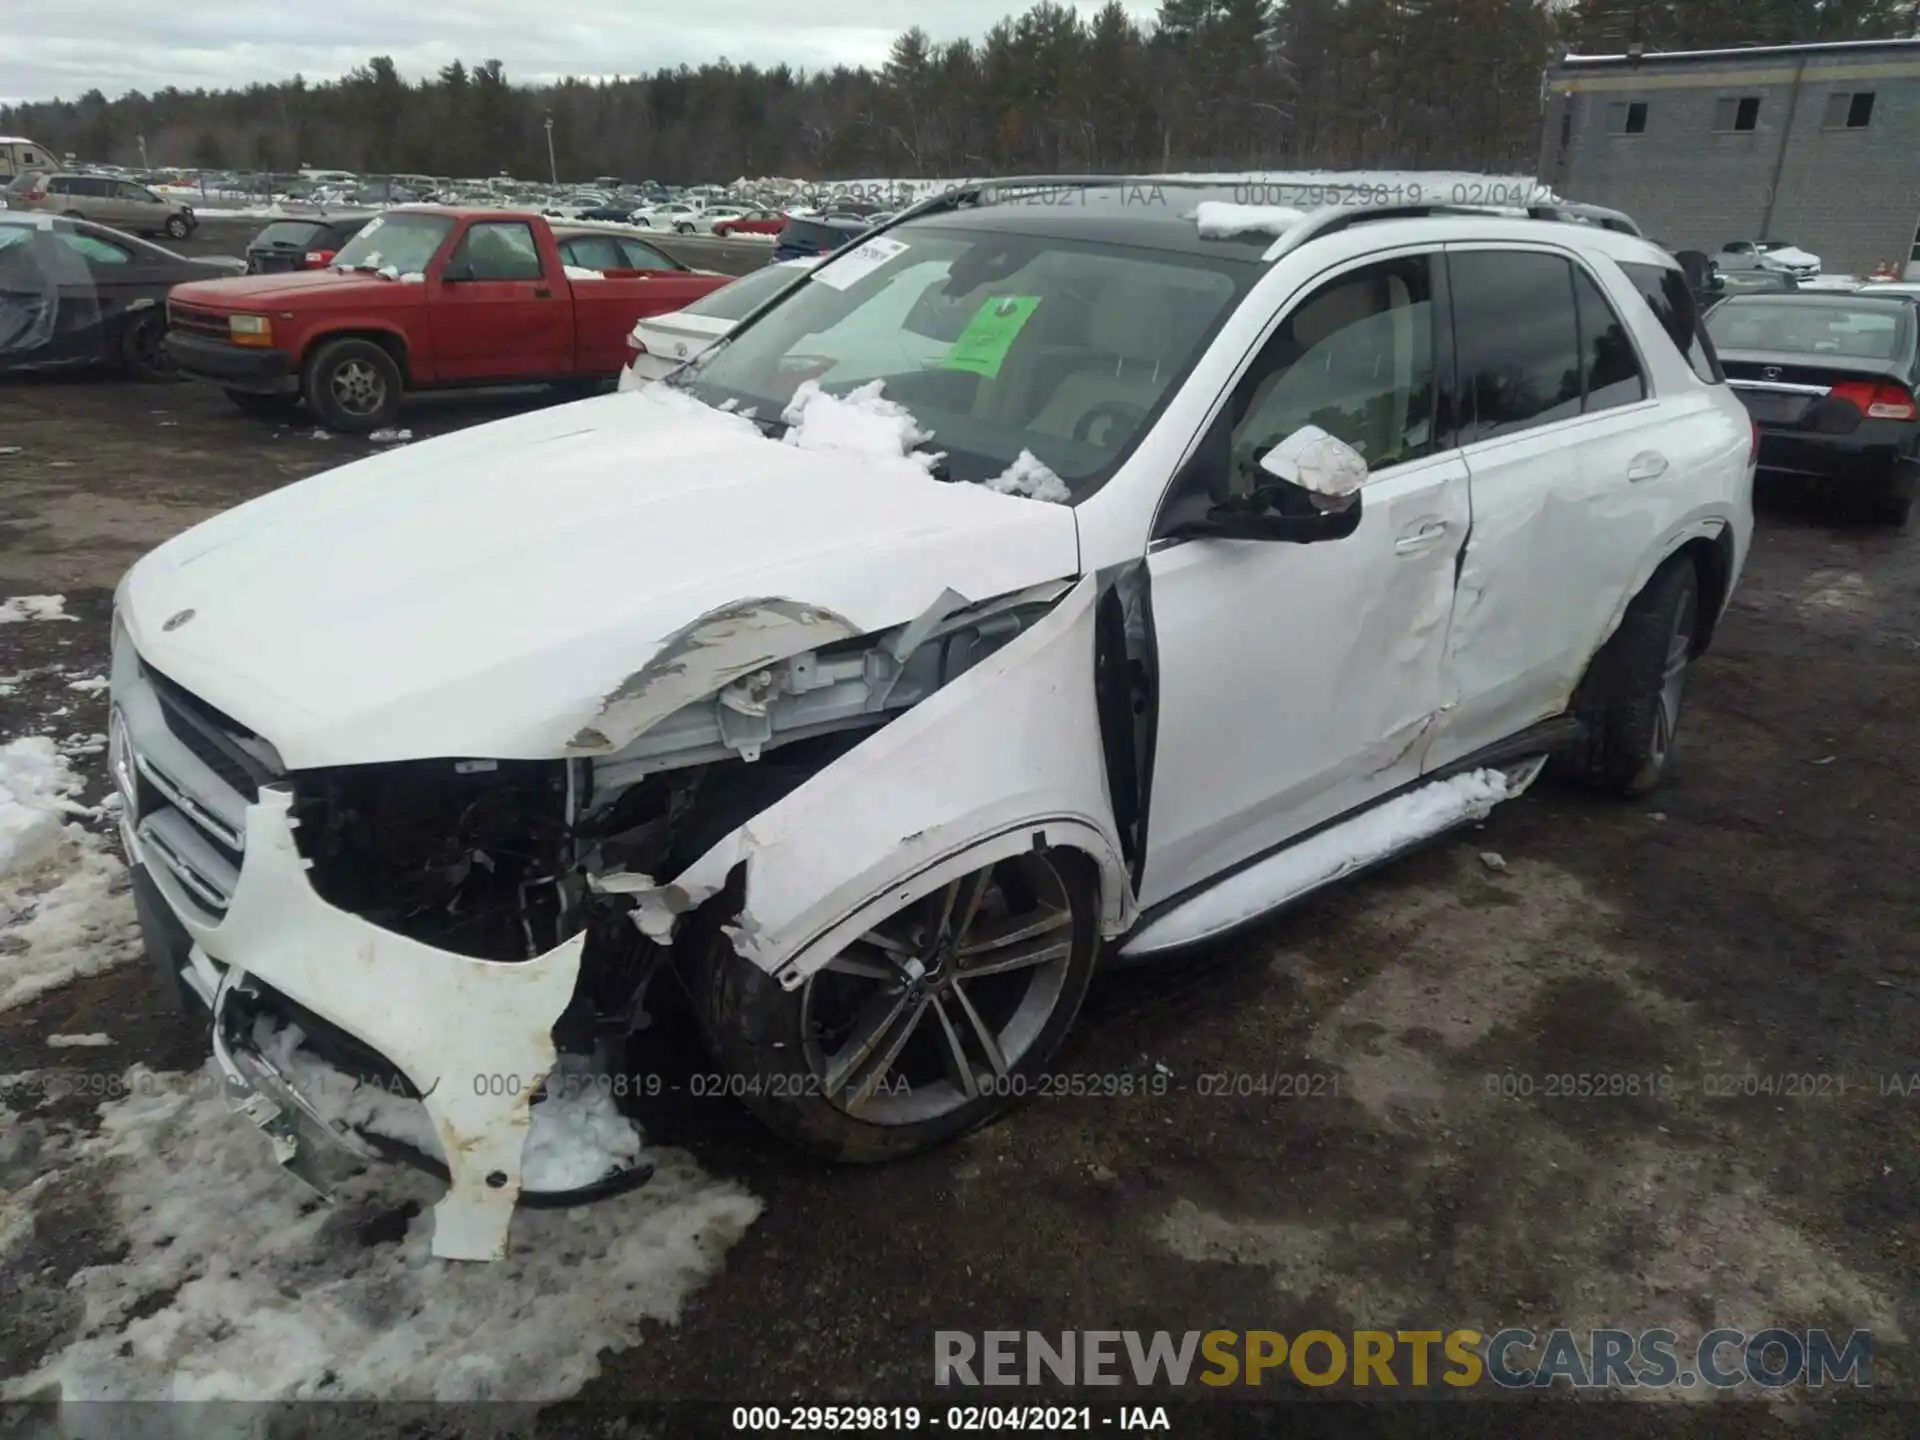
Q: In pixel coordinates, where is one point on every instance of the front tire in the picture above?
(177, 227)
(352, 386)
(937, 1020)
(1630, 699)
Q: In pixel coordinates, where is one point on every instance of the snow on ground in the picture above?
(234, 1285)
(97, 1040)
(64, 907)
(1329, 855)
(1030, 477)
(862, 422)
(33, 607)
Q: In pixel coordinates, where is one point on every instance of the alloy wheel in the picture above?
(933, 1008)
(357, 387)
(1673, 677)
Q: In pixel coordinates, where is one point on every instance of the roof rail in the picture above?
(1331, 219)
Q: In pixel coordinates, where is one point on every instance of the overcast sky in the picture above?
(66, 47)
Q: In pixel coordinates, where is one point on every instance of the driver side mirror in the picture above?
(1313, 495)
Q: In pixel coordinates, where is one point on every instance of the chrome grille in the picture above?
(193, 776)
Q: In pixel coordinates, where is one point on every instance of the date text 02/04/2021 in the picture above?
(957, 1419)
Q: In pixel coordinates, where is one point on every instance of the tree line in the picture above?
(1207, 84)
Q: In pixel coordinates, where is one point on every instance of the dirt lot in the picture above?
(1757, 918)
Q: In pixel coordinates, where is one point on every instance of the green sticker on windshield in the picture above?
(983, 345)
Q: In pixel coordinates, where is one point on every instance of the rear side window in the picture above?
(1518, 338)
(1665, 289)
(1609, 367)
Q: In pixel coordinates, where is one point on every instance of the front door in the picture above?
(497, 313)
(1297, 682)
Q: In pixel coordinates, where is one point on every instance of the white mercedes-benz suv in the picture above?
(1070, 569)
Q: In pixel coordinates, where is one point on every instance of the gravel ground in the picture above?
(1755, 918)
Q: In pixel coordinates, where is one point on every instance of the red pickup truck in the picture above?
(428, 298)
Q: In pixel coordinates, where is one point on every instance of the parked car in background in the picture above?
(1203, 572)
(423, 299)
(1831, 381)
(661, 344)
(1768, 255)
(751, 222)
(701, 222)
(621, 252)
(803, 236)
(301, 244)
(121, 204)
(75, 293)
(1722, 283)
(663, 217)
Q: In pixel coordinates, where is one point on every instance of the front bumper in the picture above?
(225, 905)
(261, 372)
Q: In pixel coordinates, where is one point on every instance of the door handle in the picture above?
(1647, 465)
(1429, 534)
(542, 293)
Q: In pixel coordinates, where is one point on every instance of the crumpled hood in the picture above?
(485, 593)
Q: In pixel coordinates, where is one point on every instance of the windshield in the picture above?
(997, 343)
(288, 234)
(1863, 333)
(403, 242)
(737, 300)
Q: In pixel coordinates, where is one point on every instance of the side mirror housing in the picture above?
(1325, 466)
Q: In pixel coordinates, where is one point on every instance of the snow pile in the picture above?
(64, 910)
(1030, 477)
(89, 684)
(345, 1101)
(386, 435)
(33, 607)
(1222, 220)
(232, 1285)
(1327, 856)
(861, 422)
(578, 1135)
(95, 1041)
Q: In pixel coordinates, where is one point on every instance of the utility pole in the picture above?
(553, 166)
(143, 153)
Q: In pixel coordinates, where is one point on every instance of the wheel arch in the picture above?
(388, 339)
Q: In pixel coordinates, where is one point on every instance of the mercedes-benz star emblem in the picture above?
(174, 622)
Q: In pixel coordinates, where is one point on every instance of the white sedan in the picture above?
(701, 222)
(661, 344)
(662, 217)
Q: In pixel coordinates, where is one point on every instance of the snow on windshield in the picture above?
(863, 422)
(401, 243)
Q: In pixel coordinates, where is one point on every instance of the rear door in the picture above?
(499, 309)
(1574, 469)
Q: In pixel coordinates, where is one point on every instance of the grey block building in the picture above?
(1818, 145)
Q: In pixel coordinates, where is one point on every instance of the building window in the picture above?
(1849, 110)
(1737, 112)
(1627, 117)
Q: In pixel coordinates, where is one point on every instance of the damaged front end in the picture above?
(432, 960)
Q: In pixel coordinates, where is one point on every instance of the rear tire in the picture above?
(1631, 696)
(352, 386)
(939, 1060)
(143, 346)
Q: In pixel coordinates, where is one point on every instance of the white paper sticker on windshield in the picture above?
(373, 224)
(845, 271)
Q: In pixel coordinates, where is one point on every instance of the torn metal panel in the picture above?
(473, 1036)
(1005, 757)
(706, 655)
